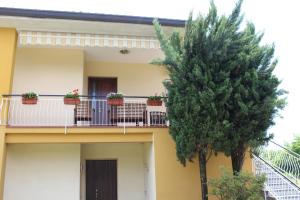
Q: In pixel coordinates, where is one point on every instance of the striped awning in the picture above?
(38, 38)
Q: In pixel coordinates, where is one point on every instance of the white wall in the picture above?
(48, 71)
(134, 79)
(130, 167)
(42, 172)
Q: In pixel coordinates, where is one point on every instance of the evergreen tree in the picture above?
(254, 98)
(199, 87)
(222, 94)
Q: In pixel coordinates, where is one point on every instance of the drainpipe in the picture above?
(1, 105)
(65, 122)
(124, 128)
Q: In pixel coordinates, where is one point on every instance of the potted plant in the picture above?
(154, 100)
(115, 99)
(72, 98)
(29, 98)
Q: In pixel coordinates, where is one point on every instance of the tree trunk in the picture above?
(203, 177)
(237, 158)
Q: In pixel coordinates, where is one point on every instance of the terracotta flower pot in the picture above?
(31, 101)
(71, 101)
(154, 102)
(115, 102)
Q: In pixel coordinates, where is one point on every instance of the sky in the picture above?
(278, 19)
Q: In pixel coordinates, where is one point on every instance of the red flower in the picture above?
(75, 91)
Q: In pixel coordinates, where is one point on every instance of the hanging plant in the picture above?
(115, 99)
(154, 100)
(29, 98)
(72, 98)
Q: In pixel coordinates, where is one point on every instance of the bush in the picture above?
(243, 186)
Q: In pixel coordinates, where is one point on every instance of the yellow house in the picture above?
(91, 150)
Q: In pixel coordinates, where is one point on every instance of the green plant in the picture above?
(113, 95)
(30, 95)
(295, 144)
(222, 91)
(200, 64)
(72, 95)
(155, 98)
(243, 186)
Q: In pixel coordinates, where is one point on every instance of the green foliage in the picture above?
(222, 91)
(155, 97)
(113, 95)
(295, 145)
(240, 186)
(73, 95)
(29, 95)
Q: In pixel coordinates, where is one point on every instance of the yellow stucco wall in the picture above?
(216, 162)
(2, 159)
(134, 79)
(175, 182)
(48, 70)
(8, 38)
(8, 41)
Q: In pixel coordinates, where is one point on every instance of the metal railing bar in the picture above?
(278, 171)
(279, 186)
(290, 151)
(88, 96)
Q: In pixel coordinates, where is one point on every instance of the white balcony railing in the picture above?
(284, 160)
(281, 167)
(277, 184)
(50, 111)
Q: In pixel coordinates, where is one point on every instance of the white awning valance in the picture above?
(38, 38)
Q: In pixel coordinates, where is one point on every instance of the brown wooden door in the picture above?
(101, 180)
(99, 88)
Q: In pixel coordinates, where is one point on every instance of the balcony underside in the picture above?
(32, 135)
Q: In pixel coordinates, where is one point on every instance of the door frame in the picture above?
(97, 118)
(83, 163)
(99, 78)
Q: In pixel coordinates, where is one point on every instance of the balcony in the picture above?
(92, 111)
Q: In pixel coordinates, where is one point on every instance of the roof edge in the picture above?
(50, 14)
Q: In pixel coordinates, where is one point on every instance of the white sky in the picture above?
(278, 19)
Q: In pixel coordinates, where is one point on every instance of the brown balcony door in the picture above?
(101, 180)
(99, 88)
